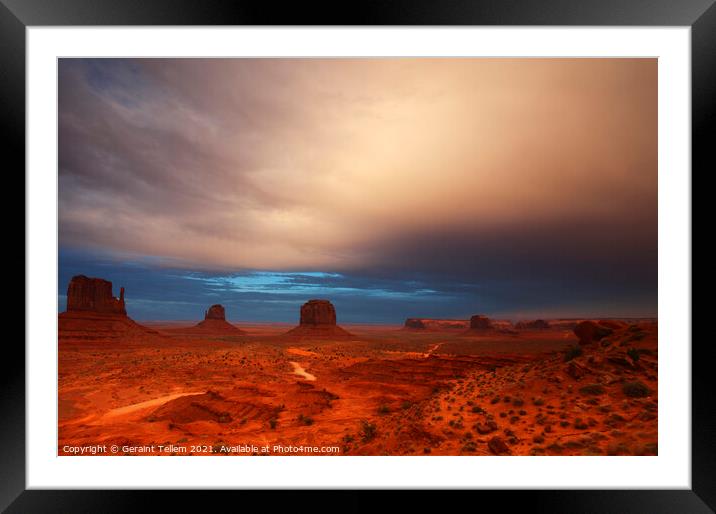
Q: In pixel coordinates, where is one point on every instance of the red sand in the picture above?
(382, 391)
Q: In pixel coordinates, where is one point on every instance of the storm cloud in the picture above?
(398, 186)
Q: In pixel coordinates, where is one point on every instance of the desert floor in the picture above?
(385, 391)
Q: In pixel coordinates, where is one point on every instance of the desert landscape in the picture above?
(357, 256)
(430, 387)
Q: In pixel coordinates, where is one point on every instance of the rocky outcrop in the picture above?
(591, 331)
(435, 324)
(318, 312)
(87, 294)
(415, 323)
(480, 322)
(93, 316)
(538, 324)
(215, 312)
(215, 322)
(318, 319)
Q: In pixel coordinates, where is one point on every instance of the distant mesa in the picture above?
(432, 324)
(415, 323)
(94, 295)
(593, 331)
(215, 321)
(94, 314)
(538, 324)
(318, 319)
(480, 322)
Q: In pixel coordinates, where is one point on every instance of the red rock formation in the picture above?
(318, 312)
(435, 324)
(215, 321)
(94, 315)
(94, 295)
(215, 312)
(415, 323)
(480, 322)
(591, 331)
(537, 324)
(318, 319)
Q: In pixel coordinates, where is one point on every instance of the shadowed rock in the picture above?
(93, 314)
(435, 324)
(591, 331)
(415, 323)
(215, 312)
(215, 321)
(318, 319)
(480, 322)
(94, 295)
(318, 312)
(538, 324)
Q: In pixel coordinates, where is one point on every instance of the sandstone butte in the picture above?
(93, 312)
(318, 319)
(480, 322)
(215, 321)
(94, 295)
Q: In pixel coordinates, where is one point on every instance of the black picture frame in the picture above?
(17, 15)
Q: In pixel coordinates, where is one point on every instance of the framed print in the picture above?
(423, 248)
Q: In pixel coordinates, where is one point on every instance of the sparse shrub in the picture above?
(637, 336)
(383, 409)
(555, 447)
(592, 389)
(406, 405)
(633, 353)
(572, 352)
(579, 424)
(470, 447)
(272, 423)
(476, 409)
(368, 431)
(635, 389)
(305, 420)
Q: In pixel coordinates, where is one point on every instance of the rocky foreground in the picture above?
(596, 397)
(588, 390)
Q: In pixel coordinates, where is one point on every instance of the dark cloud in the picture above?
(399, 187)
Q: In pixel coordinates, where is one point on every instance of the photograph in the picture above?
(375, 256)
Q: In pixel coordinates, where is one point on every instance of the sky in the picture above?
(517, 188)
